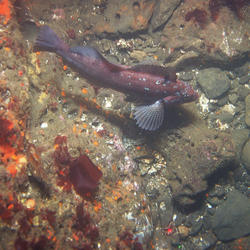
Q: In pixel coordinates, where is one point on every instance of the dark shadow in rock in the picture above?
(29, 30)
(28, 26)
(41, 186)
(198, 200)
(178, 117)
(220, 175)
(205, 61)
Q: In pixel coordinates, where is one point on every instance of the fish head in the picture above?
(187, 92)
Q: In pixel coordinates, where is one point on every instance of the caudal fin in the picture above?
(48, 40)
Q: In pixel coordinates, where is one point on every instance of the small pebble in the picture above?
(44, 125)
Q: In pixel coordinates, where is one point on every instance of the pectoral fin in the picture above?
(150, 117)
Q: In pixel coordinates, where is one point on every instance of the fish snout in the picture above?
(189, 94)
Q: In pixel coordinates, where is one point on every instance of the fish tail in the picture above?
(48, 40)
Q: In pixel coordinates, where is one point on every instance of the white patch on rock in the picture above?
(108, 102)
(230, 108)
(204, 102)
(221, 126)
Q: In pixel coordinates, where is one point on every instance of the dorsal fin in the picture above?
(91, 52)
(167, 72)
(86, 51)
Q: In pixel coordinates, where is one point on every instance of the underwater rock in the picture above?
(124, 17)
(213, 82)
(163, 11)
(240, 136)
(207, 241)
(193, 37)
(233, 98)
(231, 219)
(247, 116)
(245, 79)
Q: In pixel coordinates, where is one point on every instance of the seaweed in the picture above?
(79, 172)
(199, 16)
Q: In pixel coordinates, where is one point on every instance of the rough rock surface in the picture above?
(240, 136)
(200, 40)
(214, 82)
(124, 16)
(142, 171)
(162, 12)
(206, 242)
(187, 40)
(247, 116)
(231, 219)
(193, 154)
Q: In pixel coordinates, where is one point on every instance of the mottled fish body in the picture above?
(150, 82)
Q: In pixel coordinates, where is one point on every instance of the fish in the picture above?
(154, 85)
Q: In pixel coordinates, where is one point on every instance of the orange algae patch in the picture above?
(116, 195)
(7, 152)
(75, 237)
(12, 170)
(63, 93)
(5, 10)
(84, 91)
(98, 106)
(50, 234)
(30, 204)
(119, 183)
(11, 141)
(98, 205)
(74, 129)
(7, 137)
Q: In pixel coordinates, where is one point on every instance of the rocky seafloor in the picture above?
(75, 170)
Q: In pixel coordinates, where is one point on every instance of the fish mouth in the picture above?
(196, 95)
(192, 97)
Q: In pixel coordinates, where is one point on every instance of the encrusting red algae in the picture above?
(79, 172)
